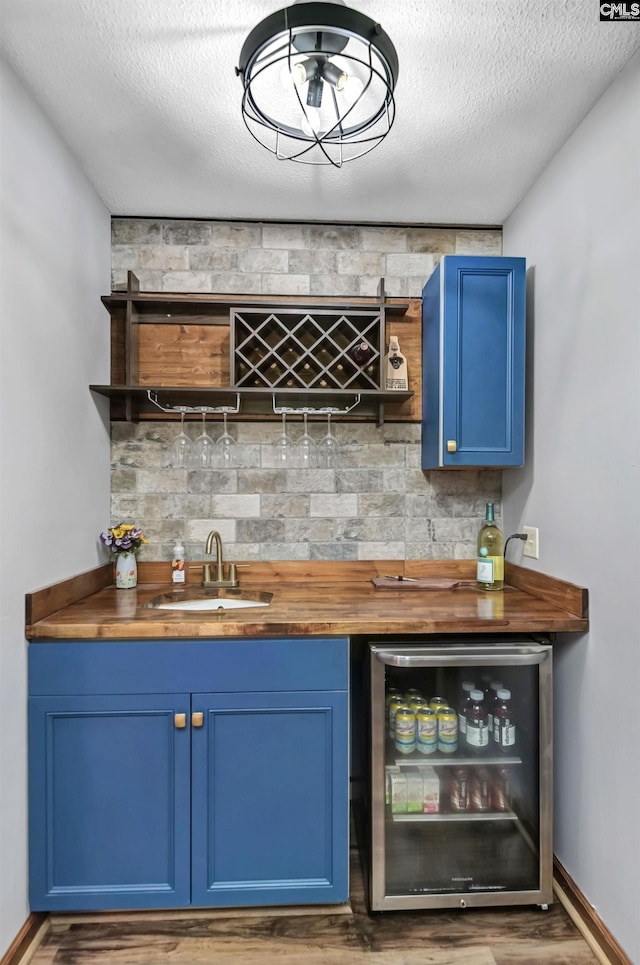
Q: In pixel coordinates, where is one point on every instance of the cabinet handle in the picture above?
(180, 720)
(197, 719)
(451, 445)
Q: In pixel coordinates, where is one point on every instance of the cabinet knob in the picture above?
(197, 719)
(180, 720)
(452, 445)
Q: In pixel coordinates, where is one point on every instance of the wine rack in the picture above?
(303, 348)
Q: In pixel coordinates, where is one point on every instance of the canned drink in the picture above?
(447, 730)
(394, 704)
(480, 790)
(501, 790)
(416, 703)
(405, 731)
(391, 692)
(410, 694)
(436, 703)
(426, 730)
(459, 790)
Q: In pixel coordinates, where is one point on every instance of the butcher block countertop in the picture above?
(320, 598)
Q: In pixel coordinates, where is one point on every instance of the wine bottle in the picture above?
(490, 560)
(361, 353)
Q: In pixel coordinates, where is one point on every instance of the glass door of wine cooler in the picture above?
(460, 793)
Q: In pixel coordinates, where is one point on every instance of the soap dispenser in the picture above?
(177, 564)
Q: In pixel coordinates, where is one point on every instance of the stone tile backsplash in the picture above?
(378, 503)
(284, 259)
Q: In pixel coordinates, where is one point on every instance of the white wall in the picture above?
(54, 443)
(579, 228)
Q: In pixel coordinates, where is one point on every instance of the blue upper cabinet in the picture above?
(473, 363)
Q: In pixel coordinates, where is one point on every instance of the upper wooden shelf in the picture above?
(169, 304)
(172, 350)
(184, 304)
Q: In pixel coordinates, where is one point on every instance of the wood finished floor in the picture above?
(510, 936)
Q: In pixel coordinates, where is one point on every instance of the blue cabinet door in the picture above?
(109, 797)
(473, 312)
(270, 799)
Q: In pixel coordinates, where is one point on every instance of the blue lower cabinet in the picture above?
(162, 800)
(110, 802)
(270, 799)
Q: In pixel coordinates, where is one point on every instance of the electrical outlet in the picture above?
(531, 547)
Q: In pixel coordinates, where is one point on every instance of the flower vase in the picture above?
(126, 571)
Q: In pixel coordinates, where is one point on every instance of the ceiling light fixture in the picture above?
(318, 83)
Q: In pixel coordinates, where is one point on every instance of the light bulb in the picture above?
(311, 123)
(334, 75)
(286, 77)
(292, 71)
(353, 88)
(304, 70)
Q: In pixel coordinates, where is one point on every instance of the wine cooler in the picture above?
(460, 778)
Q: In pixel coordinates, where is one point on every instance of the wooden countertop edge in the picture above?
(207, 629)
(570, 602)
(42, 603)
(567, 596)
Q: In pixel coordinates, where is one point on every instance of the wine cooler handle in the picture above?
(470, 656)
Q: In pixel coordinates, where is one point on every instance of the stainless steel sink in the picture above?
(198, 600)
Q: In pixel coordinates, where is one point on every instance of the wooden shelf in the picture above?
(136, 399)
(174, 304)
(206, 350)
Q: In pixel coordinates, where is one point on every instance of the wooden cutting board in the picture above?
(420, 583)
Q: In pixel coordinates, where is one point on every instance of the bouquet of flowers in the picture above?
(123, 538)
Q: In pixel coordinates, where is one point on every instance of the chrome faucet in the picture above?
(219, 580)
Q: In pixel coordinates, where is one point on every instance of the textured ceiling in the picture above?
(145, 94)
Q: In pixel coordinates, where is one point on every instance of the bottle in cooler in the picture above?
(477, 732)
(504, 727)
(490, 697)
(465, 701)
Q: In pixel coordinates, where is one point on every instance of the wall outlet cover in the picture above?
(532, 546)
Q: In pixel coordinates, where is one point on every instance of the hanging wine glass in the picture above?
(306, 449)
(181, 448)
(329, 447)
(203, 447)
(225, 445)
(284, 445)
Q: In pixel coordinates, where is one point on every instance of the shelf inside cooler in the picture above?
(402, 818)
(459, 760)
